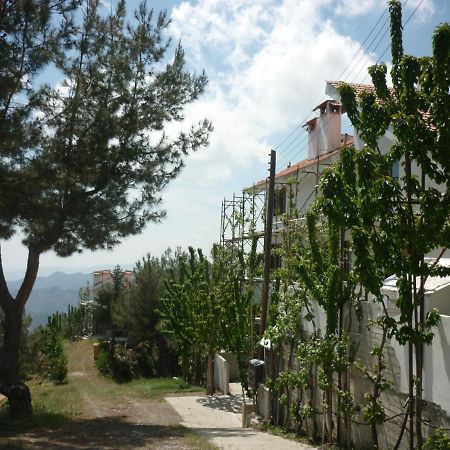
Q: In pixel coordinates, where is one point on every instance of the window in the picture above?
(395, 170)
(279, 205)
(275, 257)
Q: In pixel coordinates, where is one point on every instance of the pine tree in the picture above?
(83, 162)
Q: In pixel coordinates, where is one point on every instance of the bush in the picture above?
(123, 365)
(58, 369)
(103, 363)
(145, 359)
(53, 361)
(439, 441)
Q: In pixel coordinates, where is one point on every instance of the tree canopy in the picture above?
(83, 162)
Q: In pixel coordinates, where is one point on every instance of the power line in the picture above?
(299, 125)
(405, 23)
(286, 156)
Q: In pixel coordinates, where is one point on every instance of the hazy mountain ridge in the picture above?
(52, 293)
(60, 280)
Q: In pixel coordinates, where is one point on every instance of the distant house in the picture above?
(103, 279)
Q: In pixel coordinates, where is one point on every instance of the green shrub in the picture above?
(103, 363)
(145, 359)
(123, 365)
(53, 361)
(439, 441)
(58, 369)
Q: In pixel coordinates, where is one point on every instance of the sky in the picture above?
(267, 62)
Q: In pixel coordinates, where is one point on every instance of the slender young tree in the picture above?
(83, 162)
(396, 223)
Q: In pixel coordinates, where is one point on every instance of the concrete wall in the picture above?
(437, 366)
(233, 373)
(366, 335)
(221, 376)
(264, 402)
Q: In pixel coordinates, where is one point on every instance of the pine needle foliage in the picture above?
(83, 161)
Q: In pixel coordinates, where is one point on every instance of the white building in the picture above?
(325, 140)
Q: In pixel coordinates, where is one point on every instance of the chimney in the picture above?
(324, 131)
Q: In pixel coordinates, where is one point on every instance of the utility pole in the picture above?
(267, 247)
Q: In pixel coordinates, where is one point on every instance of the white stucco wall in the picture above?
(221, 376)
(437, 366)
(320, 319)
(436, 356)
(440, 299)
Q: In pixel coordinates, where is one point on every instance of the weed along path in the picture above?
(92, 412)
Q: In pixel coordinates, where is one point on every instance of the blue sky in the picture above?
(267, 62)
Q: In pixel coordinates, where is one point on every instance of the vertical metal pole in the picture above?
(242, 222)
(316, 188)
(222, 222)
(267, 247)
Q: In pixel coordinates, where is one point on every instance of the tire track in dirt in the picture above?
(150, 419)
(112, 417)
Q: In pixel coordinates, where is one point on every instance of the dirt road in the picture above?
(111, 417)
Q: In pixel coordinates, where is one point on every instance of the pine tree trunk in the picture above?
(18, 394)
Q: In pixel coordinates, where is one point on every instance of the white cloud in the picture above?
(426, 9)
(267, 65)
(362, 7)
(356, 7)
(233, 27)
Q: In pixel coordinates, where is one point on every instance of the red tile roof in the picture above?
(358, 88)
(304, 164)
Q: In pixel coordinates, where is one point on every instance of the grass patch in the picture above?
(60, 399)
(53, 406)
(159, 387)
(198, 442)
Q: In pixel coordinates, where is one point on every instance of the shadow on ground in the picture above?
(104, 433)
(229, 403)
(211, 433)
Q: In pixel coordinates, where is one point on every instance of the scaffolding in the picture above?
(243, 216)
(242, 220)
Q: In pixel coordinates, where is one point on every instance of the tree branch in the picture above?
(5, 296)
(30, 276)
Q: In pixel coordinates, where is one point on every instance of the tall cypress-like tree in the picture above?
(83, 162)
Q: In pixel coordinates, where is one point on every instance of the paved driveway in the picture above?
(218, 419)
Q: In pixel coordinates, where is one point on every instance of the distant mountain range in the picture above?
(52, 293)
